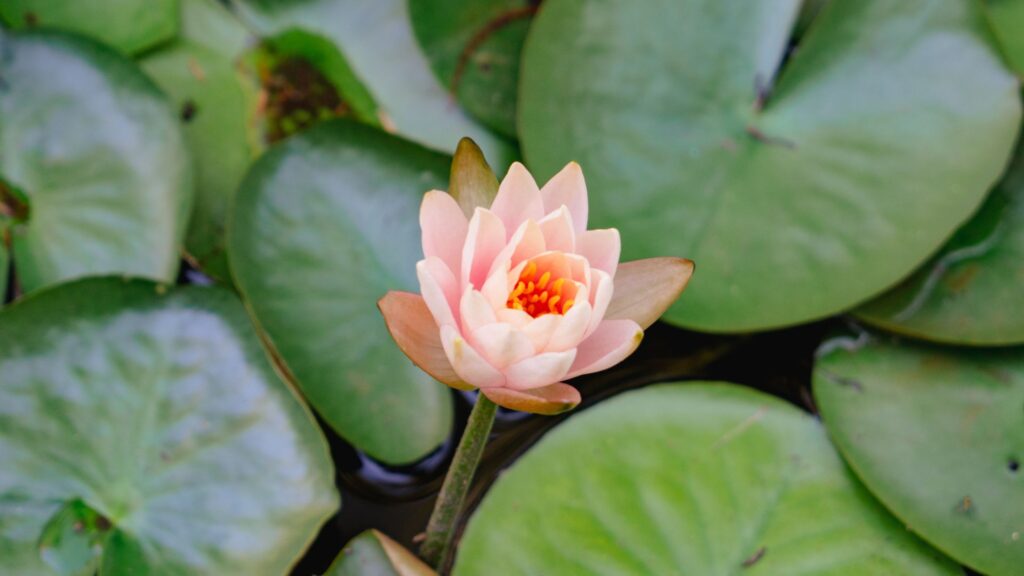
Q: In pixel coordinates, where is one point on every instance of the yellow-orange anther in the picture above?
(539, 297)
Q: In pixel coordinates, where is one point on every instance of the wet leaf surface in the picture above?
(937, 434)
(474, 47)
(799, 186)
(702, 478)
(129, 25)
(324, 225)
(377, 40)
(99, 156)
(148, 420)
(970, 292)
(216, 102)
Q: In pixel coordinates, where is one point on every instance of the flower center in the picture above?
(540, 294)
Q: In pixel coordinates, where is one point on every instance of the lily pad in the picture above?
(800, 188)
(128, 25)
(216, 103)
(148, 422)
(969, 292)
(305, 80)
(99, 156)
(474, 47)
(374, 554)
(700, 478)
(1007, 19)
(323, 226)
(377, 40)
(937, 434)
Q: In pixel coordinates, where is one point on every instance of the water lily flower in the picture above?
(518, 296)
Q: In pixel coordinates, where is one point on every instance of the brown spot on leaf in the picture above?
(960, 280)
(755, 558)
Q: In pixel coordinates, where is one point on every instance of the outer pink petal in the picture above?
(569, 189)
(572, 328)
(518, 198)
(444, 229)
(476, 311)
(540, 370)
(611, 343)
(501, 344)
(601, 248)
(558, 231)
(467, 362)
(439, 289)
(484, 240)
(601, 296)
(418, 336)
(547, 400)
(644, 289)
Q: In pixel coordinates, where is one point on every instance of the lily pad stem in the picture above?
(437, 546)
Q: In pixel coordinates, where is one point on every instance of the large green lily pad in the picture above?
(699, 478)
(129, 25)
(217, 105)
(971, 291)
(377, 40)
(474, 47)
(937, 434)
(323, 226)
(149, 420)
(799, 191)
(1007, 19)
(97, 151)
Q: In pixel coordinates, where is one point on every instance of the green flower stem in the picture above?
(441, 527)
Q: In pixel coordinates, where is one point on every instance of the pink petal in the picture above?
(531, 244)
(475, 311)
(517, 318)
(540, 370)
(601, 248)
(610, 344)
(467, 362)
(644, 289)
(567, 188)
(580, 268)
(496, 290)
(444, 229)
(558, 231)
(547, 400)
(518, 198)
(501, 344)
(600, 298)
(539, 330)
(484, 240)
(439, 289)
(526, 242)
(417, 335)
(572, 328)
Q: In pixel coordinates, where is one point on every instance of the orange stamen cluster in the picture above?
(539, 296)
